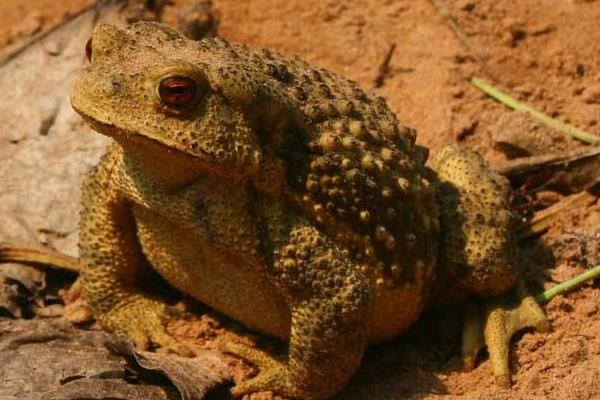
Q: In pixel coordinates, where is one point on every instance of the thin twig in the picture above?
(560, 126)
(546, 217)
(535, 163)
(566, 286)
(447, 15)
(384, 67)
(11, 252)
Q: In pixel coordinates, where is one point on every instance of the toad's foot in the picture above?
(143, 320)
(504, 315)
(274, 375)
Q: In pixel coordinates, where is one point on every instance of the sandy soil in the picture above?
(546, 53)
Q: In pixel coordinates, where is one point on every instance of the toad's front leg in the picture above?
(330, 304)
(111, 260)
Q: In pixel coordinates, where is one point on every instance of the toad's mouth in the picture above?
(129, 137)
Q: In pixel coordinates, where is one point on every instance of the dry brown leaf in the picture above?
(193, 377)
(51, 359)
(19, 285)
(45, 147)
(106, 389)
(49, 356)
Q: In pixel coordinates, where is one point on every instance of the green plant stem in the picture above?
(560, 126)
(566, 286)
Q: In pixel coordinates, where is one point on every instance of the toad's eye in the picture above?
(88, 50)
(177, 91)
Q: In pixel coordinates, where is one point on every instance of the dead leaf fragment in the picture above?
(38, 356)
(51, 359)
(193, 377)
(19, 285)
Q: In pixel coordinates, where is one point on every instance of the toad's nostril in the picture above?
(112, 85)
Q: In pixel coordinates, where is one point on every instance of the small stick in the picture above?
(384, 67)
(560, 126)
(568, 285)
(544, 218)
(445, 13)
(11, 252)
(534, 163)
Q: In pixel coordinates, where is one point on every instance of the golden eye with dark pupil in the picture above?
(177, 91)
(88, 50)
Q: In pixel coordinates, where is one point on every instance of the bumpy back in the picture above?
(352, 168)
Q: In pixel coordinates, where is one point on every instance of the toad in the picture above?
(287, 198)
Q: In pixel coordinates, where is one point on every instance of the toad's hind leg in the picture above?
(479, 257)
(330, 304)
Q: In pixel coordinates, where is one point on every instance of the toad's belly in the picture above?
(229, 283)
(394, 311)
(219, 279)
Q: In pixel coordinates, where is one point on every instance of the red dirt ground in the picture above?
(544, 52)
